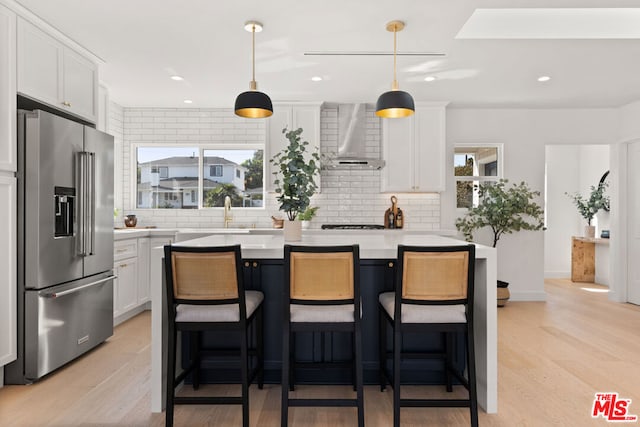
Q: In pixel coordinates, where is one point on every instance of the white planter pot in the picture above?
(305, 224)
(590, 231)
(292, 231)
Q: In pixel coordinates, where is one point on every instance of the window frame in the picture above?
(133, 164)
(477, 179)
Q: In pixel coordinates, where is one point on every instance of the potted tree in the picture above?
(296, 170)
(505, 210)
(588, 208)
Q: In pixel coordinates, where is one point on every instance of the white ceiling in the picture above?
(143, 42)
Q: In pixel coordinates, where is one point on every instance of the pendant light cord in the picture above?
(394, 85)
(253, 53)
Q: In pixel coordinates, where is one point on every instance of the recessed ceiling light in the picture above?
(316, 78)
(429, 78)
(544, 78)
(188, 101)
(177, 78)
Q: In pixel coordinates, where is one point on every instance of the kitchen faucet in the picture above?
(227, 207)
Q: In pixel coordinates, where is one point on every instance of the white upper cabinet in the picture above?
(414, 151)
(55, 74)
(291, 116)
(7, 90)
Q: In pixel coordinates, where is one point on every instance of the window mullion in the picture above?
(201, 178)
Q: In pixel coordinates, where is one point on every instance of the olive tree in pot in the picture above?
(505, 210)
(296, 170)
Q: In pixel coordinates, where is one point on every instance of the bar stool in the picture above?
(433, 293)
(321, 293)
(205, 292)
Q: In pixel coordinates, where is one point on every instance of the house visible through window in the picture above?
(475, 165)
(170, 177)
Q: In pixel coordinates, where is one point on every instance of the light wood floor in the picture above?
(553, 357)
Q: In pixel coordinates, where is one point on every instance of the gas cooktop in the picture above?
(352, 227)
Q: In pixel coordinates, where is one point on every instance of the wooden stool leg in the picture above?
(448, 364)
(382, 348)
(286, 359)
(471, 362)
(260, 346)
(358, 371)
(244, 373)
(171, 375)
(397, 350)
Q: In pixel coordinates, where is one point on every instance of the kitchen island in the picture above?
(263, 264)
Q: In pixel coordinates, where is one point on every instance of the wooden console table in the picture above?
(583, 259)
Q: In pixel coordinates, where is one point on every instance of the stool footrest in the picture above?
(207, 400)
(435, 403)
(324, 402)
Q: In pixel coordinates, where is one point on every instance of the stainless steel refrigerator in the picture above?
(65, 243)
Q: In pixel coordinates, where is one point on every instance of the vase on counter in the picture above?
(590, 232)
(130, 220)
(292, 231)
(305, 224)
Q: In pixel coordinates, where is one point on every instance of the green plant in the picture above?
(295, 176)
(503, 209)
(597, 200)
(308, 214)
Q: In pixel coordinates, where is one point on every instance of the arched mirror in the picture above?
(604, 181)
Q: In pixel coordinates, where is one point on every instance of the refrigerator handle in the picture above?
(82, 205)
(91, 212)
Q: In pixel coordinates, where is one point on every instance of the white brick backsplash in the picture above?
(348, 196)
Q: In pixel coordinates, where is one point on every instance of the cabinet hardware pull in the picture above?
(246, 263)
(121, 250)
(390, 264)
(122, 265)
(66, 104)
(255, 264)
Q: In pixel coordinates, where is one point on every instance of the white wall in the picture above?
(569, 169)
(524, 133)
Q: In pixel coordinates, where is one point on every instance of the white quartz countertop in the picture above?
(374, 244)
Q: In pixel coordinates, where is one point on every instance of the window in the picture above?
(193, 177)
(475, 165)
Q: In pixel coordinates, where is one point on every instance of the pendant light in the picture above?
(253, 104)
(395, 103)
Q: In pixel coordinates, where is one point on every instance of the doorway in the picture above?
(570, 169)
(633, 223)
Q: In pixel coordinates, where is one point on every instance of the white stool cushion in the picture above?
(415, 313)
(218, 313)
(342, 313)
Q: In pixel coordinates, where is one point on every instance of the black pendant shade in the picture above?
(253, 104)
(395, 104)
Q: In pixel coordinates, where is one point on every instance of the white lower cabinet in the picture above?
(144, 293)
(125, 289)
(132, 266)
